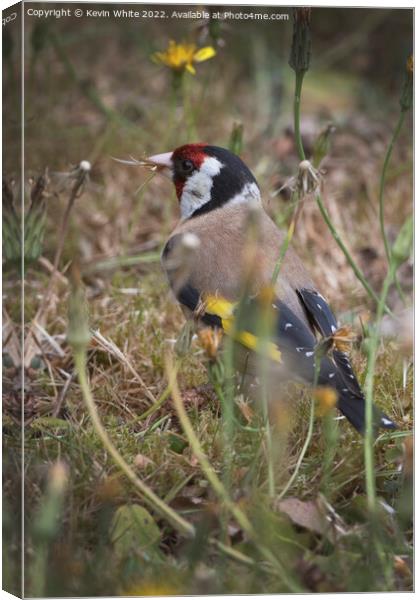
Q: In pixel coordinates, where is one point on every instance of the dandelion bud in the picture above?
(308, 179)
(401, 250)
(46, 523)
(322, 145)
(11, 228)
(59, 475)
(78, 334)
(406, 99)
(300, 53)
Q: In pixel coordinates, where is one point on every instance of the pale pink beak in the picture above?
(163, 162)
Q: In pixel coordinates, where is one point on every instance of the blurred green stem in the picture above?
(189, 117)
(282, 253)
(154, 501)
(372, 351)
(346, 253)
(296, 110)
(218, 486)
(388, 154)
(302, 452)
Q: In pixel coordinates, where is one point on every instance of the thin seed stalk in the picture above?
(382, 181)
(282, 253)
(388, 154)
(308, 436)
(347, 254)
(372, 350)
(153, 500)
(303, 451)
(301, 153)
(74, 193)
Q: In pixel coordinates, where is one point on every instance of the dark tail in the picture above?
(339, 374)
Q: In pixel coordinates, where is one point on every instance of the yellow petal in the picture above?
(204, 54)
(190, 69)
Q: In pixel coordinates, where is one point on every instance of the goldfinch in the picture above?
(204, 261)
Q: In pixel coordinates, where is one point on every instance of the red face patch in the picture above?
(189, 152)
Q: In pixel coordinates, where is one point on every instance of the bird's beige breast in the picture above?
(230, 248)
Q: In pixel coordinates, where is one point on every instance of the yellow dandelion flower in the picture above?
(181, 57)
(326, 399)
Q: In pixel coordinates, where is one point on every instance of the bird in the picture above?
(204, 262)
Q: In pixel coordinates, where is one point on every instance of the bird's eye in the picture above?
(187, 165)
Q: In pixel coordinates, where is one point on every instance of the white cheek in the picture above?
(197, 189)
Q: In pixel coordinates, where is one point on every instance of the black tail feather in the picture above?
(351, 400)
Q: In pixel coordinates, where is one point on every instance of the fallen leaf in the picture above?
(134, 530)
(315, 515)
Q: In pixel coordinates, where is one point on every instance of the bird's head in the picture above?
(206, 177)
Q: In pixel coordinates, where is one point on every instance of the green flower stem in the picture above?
(282, 253)
(382, 181)
(347, 254)
(296, 110)
(154, 501)
(217, 485)
(372, 351)
(301, 153)
(388, 154)
(268, 436)
(189, 117)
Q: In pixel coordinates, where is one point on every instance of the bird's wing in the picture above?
(293, 343)
(351, 397)
(323, 320)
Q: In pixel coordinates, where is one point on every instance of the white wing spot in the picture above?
(331, 375)
(288, 325)
(308, 354)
